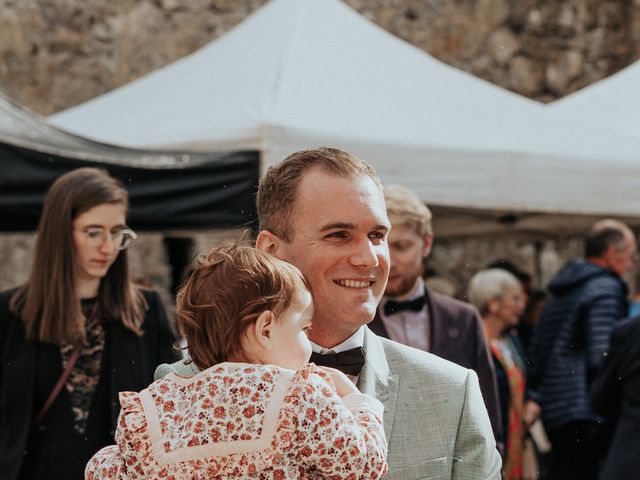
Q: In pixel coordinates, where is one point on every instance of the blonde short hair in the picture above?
(404, 207)
(490, 284)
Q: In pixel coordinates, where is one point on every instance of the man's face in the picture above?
(621, 260)
(408, 250)
(339, 243)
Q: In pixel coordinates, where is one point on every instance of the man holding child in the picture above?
(323, 210)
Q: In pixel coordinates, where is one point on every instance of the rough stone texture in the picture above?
(147, 257)
(459, 260)
(563, 70)
(16, 256)
(58, 53)
(525, 75)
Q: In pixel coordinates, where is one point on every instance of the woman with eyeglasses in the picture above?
(75, 334)
(499, 297)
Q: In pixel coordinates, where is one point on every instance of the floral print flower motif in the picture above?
(315, 435)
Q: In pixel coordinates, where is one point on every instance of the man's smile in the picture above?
(355, 283)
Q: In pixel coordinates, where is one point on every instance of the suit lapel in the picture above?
(435, 322)
(376, 379)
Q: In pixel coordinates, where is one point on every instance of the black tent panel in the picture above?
(203, 191)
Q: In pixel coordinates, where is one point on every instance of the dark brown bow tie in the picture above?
(414, 305)
(349, 362)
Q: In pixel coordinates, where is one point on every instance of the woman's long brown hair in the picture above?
(47, 303)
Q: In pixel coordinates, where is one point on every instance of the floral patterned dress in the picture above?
(235, 421)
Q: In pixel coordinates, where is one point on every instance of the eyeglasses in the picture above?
(121, 238)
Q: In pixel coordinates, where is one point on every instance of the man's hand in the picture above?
(344, 386)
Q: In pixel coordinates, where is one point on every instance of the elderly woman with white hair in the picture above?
(499, 297)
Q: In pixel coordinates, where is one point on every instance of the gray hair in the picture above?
(490, 284)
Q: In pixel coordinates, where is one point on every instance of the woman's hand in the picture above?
(531, 413)
(344, 386)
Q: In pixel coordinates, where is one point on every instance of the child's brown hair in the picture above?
(225, 294)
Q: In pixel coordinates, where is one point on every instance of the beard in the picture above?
(401, 286)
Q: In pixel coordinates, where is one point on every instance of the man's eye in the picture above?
(340, 234)
(377, 236)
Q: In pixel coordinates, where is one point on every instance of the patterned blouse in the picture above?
(85, 374)
(236, 421)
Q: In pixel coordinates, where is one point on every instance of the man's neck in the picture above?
(320, 343)
(600, 262)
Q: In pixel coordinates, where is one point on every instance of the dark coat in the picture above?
(456, 335)
(571, 339)
(616, 396)
(131, 360)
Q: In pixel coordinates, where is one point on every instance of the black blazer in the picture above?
(456, 335)
(616, 396)
(132, 361)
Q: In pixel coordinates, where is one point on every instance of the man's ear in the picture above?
(427, 244)
(268, 242)
(609, 256)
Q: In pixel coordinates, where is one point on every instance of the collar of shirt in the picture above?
(355, 340)
(408, 327)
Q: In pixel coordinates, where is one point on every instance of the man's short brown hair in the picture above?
(404, 207)
(278, 188)
(225, 294)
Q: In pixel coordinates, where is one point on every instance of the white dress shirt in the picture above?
(408, 327)
(355, 340)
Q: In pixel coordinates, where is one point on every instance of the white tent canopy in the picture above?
(612, 103)
(303, 73)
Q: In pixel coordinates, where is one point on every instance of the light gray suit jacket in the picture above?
(435, 420)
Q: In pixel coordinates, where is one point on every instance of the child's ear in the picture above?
(263, 329)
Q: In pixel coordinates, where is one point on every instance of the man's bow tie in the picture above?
(349, 362)
(392, 306)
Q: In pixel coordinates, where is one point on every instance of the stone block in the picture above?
(563, 70)
(525, 76)
(502, 45)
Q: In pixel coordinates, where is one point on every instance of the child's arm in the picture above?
(106, 464)
(338, 438)
(124, 461)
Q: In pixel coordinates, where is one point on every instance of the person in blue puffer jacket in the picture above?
(570, 341)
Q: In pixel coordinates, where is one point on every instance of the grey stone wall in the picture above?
(458, 260)
(147, 257)
(58, 53)
(543, 49)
